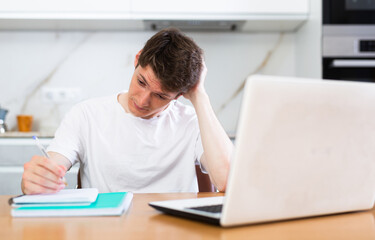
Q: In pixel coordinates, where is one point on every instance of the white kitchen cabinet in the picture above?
(221, 6)
(10, 177)
(152, 6)
(66, 6)
(239, 15)
(14, 153)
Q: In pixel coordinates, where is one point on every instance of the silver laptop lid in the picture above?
(304, 147)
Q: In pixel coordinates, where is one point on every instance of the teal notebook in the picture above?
(106, 204)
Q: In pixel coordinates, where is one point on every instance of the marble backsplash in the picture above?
(101, 63)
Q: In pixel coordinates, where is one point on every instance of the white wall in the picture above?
(308, 44)
(101, 63)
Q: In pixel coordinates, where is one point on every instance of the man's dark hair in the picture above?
(175, 59)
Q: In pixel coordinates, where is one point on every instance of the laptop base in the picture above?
(205, 219)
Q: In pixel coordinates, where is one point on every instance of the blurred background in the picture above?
(54, 54)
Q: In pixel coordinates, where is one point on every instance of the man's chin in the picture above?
(139, 114)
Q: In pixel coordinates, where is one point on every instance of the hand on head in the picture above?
(199, 87)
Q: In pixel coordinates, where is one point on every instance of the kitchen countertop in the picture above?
(15, 134)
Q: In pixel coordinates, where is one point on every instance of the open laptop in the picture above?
(304, 147)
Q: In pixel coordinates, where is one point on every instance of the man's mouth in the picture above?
(139, 108)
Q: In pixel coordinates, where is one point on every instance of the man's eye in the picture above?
(161, 97)
(140, 82)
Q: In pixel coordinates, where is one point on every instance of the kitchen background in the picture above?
(101, 63)
(34, 64)
(97, 63)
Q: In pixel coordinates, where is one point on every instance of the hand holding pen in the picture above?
(45, 154)
(42, 175)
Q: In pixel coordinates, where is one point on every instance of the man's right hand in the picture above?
(42, 175)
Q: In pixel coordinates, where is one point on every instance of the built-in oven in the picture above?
(349, 57)
(349, 40)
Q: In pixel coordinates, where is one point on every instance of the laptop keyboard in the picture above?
(211, 208)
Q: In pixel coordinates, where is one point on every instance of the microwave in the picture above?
(348, 11)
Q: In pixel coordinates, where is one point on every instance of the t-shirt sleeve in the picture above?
(67, 140)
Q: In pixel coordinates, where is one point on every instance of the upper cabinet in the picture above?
(221, 6)
(234, 15)
(61, 7)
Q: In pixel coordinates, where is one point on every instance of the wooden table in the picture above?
(143, 222)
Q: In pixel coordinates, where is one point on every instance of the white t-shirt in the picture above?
(120, 152)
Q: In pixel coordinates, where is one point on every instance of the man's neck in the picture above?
(122, 99)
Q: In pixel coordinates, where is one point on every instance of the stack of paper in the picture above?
(64, 197)
(71, 202)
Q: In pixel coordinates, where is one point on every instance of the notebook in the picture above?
(106, 204)
(304, 147)
(65, 196)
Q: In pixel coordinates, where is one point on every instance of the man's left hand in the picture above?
(199, 87)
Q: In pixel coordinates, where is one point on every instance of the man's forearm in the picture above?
(216, 143)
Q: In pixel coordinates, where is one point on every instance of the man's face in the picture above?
(145, 97)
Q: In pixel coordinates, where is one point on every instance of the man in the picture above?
(142, 140)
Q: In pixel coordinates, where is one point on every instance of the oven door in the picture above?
(348, 11)
(351, 69)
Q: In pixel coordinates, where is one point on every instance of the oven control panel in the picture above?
(367, 45)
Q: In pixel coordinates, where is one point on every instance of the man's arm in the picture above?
(43, 175)
(216, 143)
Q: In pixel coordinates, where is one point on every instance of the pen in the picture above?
(45, 154)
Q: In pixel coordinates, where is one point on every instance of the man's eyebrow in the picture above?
(160, 93)
(143, 78)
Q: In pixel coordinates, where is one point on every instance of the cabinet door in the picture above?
(51, 6)
(11, 177)
(18, 151)
(221, 6)
(14, 153)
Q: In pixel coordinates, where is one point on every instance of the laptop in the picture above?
(304, 147)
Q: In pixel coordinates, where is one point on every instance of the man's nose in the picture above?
(144, 99)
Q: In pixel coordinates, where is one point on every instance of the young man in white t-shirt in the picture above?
(142, 140)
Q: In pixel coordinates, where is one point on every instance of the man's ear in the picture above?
(136, 58)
